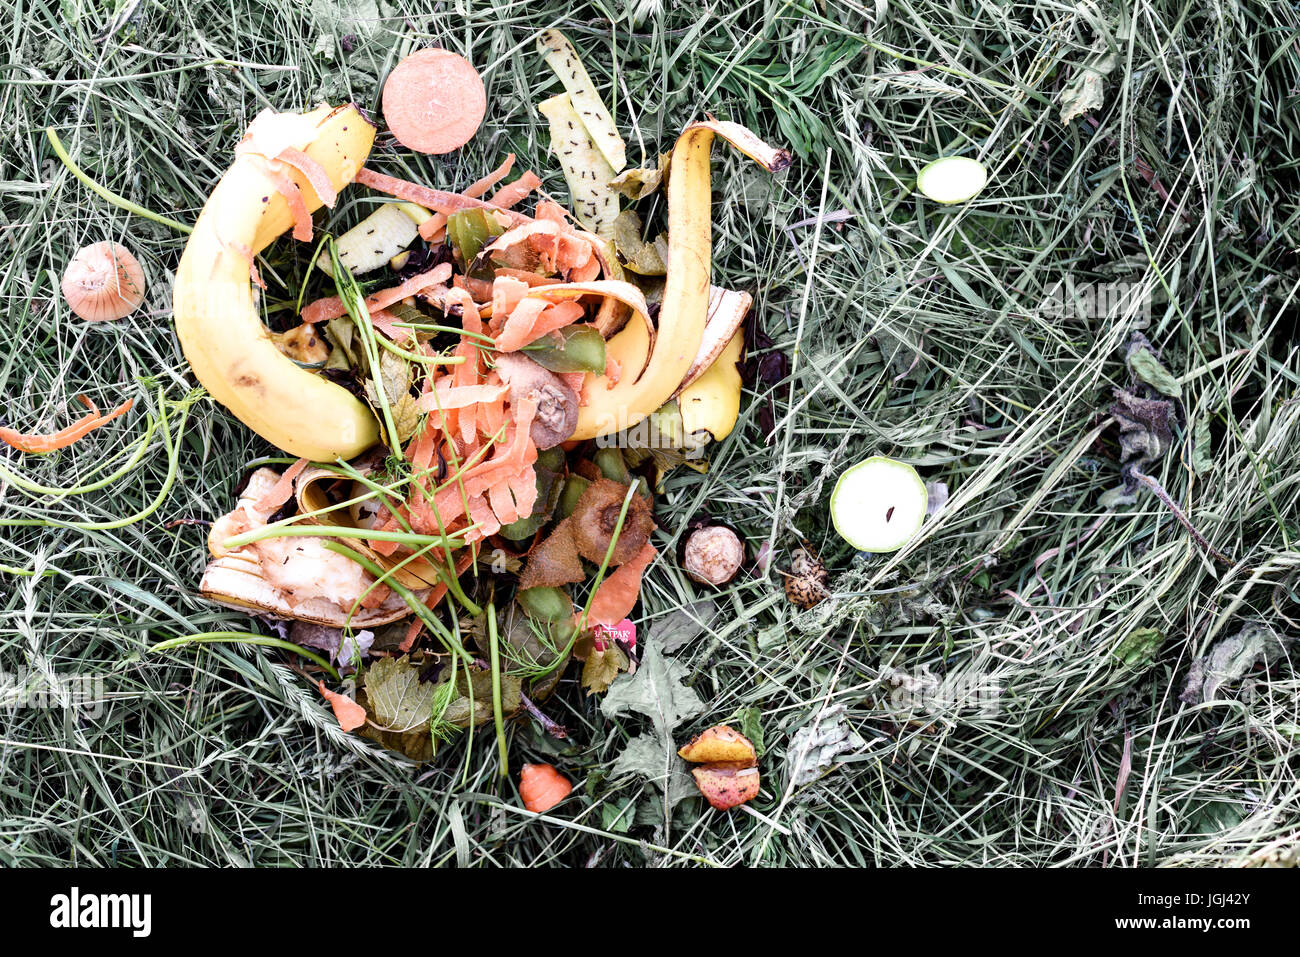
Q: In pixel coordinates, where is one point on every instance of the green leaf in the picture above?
(581, 349)
(1139, 647)
(751, 726)
(399, 701)
(1202, 461)
(473, 704)
(645, 756)
(1147, 368)
(616, 816)
(657, 690)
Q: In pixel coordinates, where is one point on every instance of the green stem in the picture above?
(497, 716)
(120, 201)
(242, 638)
(422, 611)
(332, 531)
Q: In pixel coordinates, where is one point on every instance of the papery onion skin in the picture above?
(103, 282)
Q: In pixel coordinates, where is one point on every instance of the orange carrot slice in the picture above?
(40, 443)
(434, 101)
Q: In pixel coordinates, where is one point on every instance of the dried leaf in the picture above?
(639, 182)
(1230, 659)
(602, 667)
(679, 628)
(1144, 428)
(477, 709)
(1085, 91)
(815, 748)
(644, 258)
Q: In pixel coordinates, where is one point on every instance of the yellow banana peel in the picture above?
(712, 402)
(683, 315)
(231, 352)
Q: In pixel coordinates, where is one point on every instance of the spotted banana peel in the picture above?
(231, 352)
(668, 360)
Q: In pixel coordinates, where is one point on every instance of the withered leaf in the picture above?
(1144, 428)
(399, 701)
(602, 667)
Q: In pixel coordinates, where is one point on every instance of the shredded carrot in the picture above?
(527, 323)
(39, 443)
(435, 199)
(312, 172)
(282, 490)
(286, 187)
(436, 223)
(530, 279)
(331, 307)
(511, 194)
(449, 396)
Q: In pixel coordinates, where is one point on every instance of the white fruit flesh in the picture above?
(952, 179)
(878, 504)
(375, 240)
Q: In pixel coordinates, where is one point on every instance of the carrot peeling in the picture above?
(40, 443)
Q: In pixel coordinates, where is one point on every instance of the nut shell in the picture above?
(713, 555)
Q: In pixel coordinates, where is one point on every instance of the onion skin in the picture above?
(103, 282)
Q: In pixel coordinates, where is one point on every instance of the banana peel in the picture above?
(711, 404)
(231, 352)
(667, 359)
(238, 579)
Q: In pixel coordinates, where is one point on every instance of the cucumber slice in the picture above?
(878, 504)
(375, 240)
(952, 179)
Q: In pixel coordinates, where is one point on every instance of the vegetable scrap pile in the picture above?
(488, 390)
